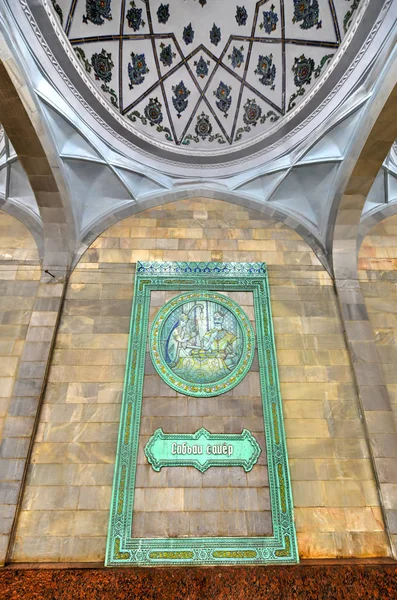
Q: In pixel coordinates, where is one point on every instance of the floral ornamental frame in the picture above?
(203, 390)
(281, 546)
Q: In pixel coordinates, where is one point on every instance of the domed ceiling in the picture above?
(205, 75)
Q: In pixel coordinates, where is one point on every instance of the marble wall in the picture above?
(66, 501)
(19, 275)
(378, 279)
(19, 282)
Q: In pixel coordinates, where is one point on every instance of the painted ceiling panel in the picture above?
(69, 142)
(309, 187)
(3, 182)
(335, 142)
(392, 188)
(137, 184)
(203, 73)
(95, 189)
(19, 188)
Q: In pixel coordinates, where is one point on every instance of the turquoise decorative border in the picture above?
(281, 547)
(198, 389)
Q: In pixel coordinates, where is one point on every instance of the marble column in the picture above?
(376, 410)
(24, 409)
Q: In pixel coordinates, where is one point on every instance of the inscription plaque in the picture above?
(202, 450)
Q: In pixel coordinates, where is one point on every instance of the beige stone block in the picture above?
(8, 366)
(364, 519)
(61, 413)
(91, 523)
(257, 245)
(67, 373)
(101, 357)
(309, 493)
(306, 428)
(309, 391)
(43, 319)
(45, 523)
(362, 544)
(6, 385)
(70, 474)
(316, 545)
(94, 497)
(308, 469)
(320, 520)
(349, 428)
(308, 448)
(80, 432)
(76, 325)
(288, 325)
(351, 448)
(344, 493)
(154, 500)
(301, 409)
(49, 498)
(354, 469)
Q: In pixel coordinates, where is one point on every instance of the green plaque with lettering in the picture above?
(202, 450)
(202, 345)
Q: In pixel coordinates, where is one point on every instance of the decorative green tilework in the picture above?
(201, 279)
(202, 344)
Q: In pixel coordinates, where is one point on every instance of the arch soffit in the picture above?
(370, 149)
(22, 123)
(264, 210)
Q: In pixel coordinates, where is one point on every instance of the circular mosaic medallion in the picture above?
(202, 344)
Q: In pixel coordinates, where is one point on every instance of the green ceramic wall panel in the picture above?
(281, 546)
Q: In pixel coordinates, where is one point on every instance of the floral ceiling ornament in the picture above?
(180, 98)
(224, 99)
(102, 64)
(153, 112)
(97, 11)
(252, 115)
(203, 126)
(201, 67)
(215, 35)
(163, 13)
(58, 10)
(82, 58)
(154, 116)
(348, 18)
(266, 70)
(134, 17)
(306, 12)
(137, 69)
(303, 69)
(270, 20)
(236, 57)
(188, 34)
(203, 131)
(166, 55)
(241, 15)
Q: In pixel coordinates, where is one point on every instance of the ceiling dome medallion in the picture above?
(205, 75)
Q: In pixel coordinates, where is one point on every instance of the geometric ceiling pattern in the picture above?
(205, 73)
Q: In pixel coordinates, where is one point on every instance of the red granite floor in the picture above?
(310, 582)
